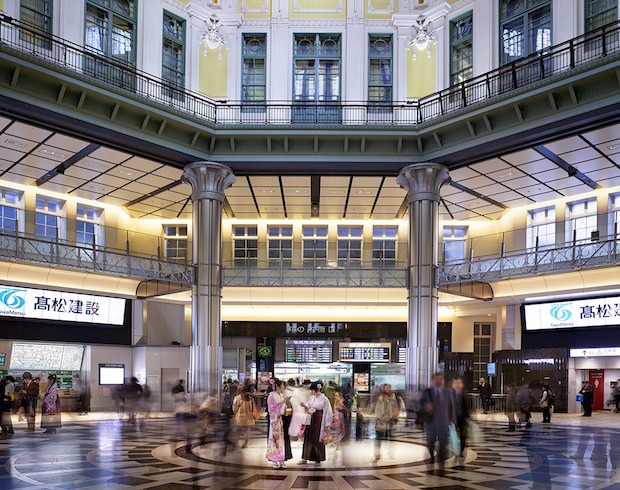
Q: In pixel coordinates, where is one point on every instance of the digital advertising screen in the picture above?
(111, 374)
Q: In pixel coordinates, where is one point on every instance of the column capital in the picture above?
(423, 181)
(209, 180)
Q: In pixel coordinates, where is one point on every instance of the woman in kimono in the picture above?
(320, 411)
(50, 406)
(276, 402)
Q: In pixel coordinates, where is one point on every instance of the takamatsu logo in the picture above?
(12, 301)
(561, 312)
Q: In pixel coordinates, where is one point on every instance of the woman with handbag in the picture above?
(50, 406)
(317, 432)
(276, 403)
(243, 408)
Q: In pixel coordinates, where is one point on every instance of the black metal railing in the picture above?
(564, 59)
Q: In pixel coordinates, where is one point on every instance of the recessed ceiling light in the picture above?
(363, 192)
(612, 147)
(507, 174)
(124, 172)
(15, 143)
(52, 153)
(90, 163)
(266, 191)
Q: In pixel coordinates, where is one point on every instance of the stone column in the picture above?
(208, 181)
(422, 181)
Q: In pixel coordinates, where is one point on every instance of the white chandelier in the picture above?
(211, 38)
(422, 37)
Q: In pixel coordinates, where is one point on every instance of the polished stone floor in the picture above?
(99, 451)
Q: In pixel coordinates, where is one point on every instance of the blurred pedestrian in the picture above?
(243, 410)
(617, 396)
(30, 397)
(78, 389)
(178, 395)
(7, 389)
(525, 400)
(587, 391)
(386, 417)
(545, 404)
(133, 393)
(511, 407)
(276, 445)
(486, 393)
(462, 413)
(437, 404)
(50, 406)
(319, 412)
(146, 400)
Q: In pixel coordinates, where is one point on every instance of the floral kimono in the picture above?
(50, 408)
(275, 442)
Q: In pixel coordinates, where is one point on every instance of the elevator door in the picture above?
(169, 377)
(597, 381)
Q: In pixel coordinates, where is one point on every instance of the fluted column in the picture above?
(422, 181)
(208, 181)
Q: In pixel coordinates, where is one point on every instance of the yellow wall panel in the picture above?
(255, 9)
(213, 73)
(380, 9)
(324, 9)
(2, 5)
(421, 74)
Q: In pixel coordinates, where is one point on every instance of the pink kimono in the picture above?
(275, 442)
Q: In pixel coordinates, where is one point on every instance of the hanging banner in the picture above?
(43, 304)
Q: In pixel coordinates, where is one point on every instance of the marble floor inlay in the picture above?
(101, 452)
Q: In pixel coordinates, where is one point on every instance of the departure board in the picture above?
(308, 351)
(365, 352)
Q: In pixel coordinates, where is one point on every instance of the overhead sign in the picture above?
(596, 352)
(43, 304)
(365, 352)
(590, 312)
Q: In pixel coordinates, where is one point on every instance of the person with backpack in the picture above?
(546, 404)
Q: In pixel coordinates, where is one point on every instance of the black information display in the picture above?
(365, 352)
(308, 351)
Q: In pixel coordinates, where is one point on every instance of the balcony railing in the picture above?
(360, 277)
(603, 252)
(90, 258)
(591, 49)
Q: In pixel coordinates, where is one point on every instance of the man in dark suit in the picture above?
(485, 394)
(437, 403)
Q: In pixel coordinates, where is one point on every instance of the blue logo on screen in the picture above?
(561, 312)
(12, 298)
